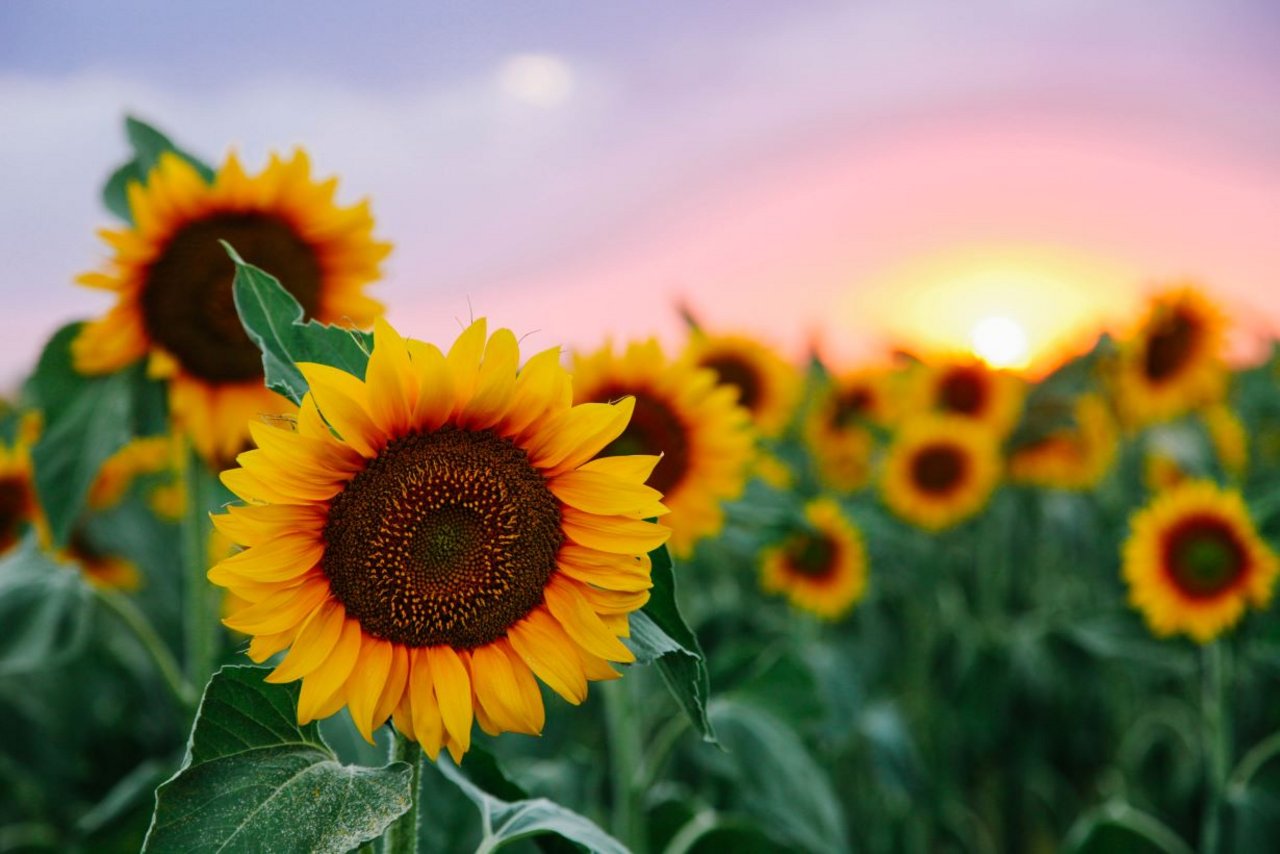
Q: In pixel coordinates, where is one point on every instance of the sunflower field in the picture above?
(277, 576)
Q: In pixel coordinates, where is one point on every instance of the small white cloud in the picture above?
(540, 79)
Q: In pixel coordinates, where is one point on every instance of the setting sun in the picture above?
(1000, 342)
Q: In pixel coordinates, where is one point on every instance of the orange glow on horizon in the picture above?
(1022, 308)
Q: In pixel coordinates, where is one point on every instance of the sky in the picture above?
(845, 175)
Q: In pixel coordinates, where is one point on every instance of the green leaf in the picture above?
(661, 637)
(254, 780)
(86, 420)
(1253, 798)
(148, 144)
(1119, 828)
(507, 821)
(274, 322)
(44, 609)
(780, 784)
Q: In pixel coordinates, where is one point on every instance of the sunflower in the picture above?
(968, 388)
(19, 508)
(172, 281)
(145, 455)
(767, 386)
(452, 539)
(100, 568)
(1162, 470)
(682, 414)
(821, 568)
(1173, 362)
(837, 426)
(940, 470)
(1072, 459)
(1193, 561)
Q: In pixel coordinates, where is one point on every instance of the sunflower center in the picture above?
(654, 429)
(14, 504)
(1169, 346)
(812, 555)
(446, 537)
(1204, 556)
(963, 391)
(851, 406)
(739, 374)
(188, 303)
(937, 469)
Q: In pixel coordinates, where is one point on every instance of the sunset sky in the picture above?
(849, 173)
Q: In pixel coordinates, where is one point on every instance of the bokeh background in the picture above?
(852, 174)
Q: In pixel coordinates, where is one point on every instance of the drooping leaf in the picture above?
(1116, 827)
(1253, 799)
(508, 821)
(254, 780)
(661, 637)
(780, 783)
(44, 611)
(274, 322)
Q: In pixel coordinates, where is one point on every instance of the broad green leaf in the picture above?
(507, 821)
(274, 322)
(254, 780)
(115, 193)
(660, 636)
(780, 784)
(44, 611)
(86, 420)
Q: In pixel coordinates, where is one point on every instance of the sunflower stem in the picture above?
(137, 622)
(1217, 740)
(625, 755)
(402, 836)
(200, 617)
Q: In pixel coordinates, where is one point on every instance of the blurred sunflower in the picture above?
(1161, 470)
(704, 437)
(100, 568)
(19, 508)
(940, 470)
(968, 388)
(1173, 362)
(768, 387)
(1193, 561)
(143, 455)
(1228, 436)
(1072, 459)
(172, 281)
(821, 568)
(431, 538)
(837, 427)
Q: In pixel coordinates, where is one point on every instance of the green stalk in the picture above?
(1217, 741)
(200, 611)
(137, 622)
(402, 836)
(625, 757)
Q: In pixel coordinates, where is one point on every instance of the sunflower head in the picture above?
(840, 424)
(822, 566)
(172, 280)
(141, 456)
(767, 386)
(703, 436)
(968, 388)
(100, 568)
(1173, 361)
(1193, 561)
(940, 471)
(19, 507)
(1073, 459)
(429, 539)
